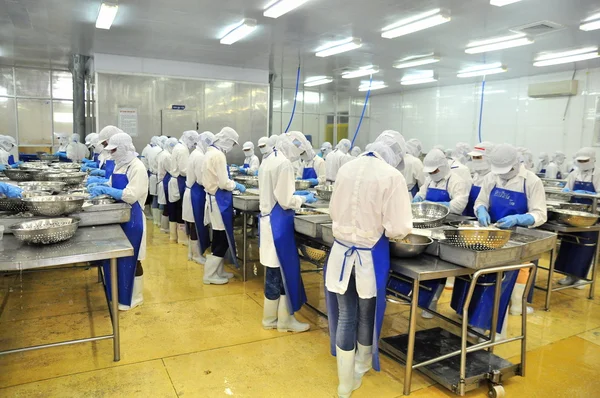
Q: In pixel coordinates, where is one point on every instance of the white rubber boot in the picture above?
(222, 273)
(182, 237)
(210, 271)
(137, 298)
(345, 367)
(287, 322)
(156, 216)
(148, 212)
(164, 224)
(269, 320)
(172, 231)
(364, 360)
(194, 252)
(515, 300)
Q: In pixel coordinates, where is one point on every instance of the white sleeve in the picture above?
(71, 151)
(484, 195)
(397, 212)
(198, 169)
(182, 162)
(596, 180)
(254, 165)
(285, 188)
(551, 170)
(536, 202)
(223, 181)
(571, 181)
(321, 170)
(144, 157)
(423, 189)
(459, 195)
(137, 186)
(419, 175)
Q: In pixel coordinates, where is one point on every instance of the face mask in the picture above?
(263, 149)
(248, 153)
(304, 156)
(480, 164)
(510, 175)
(225, 145)
(585, 166)
(98, 148)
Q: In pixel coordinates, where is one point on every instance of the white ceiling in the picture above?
(46, 32)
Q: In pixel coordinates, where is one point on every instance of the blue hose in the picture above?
(363, 111)
(481, 107)
(295, 99)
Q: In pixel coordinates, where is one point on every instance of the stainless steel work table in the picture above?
(248, 205)
(89, 244)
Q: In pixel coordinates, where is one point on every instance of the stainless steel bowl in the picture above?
(100, 201)
(47, 157)
(67, 178)
(576, 218)
(301, 185)
(66, 166)
(324, 191)
(411, 246)
(247, 181)
(32, 193)
(46, 231)
(52, 186)
(576, 206)
(52, 206)
(479, 239)
(21, 175)
(428, 214)
(34, 166)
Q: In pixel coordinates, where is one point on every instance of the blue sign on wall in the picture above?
(178, 107)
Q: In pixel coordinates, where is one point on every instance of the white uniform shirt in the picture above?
(318, 164)
(370, 198)
(76, 151)
(458, 189)
(144, 156)
(4, 156)
(478, 179)
(163, 161)
(152, 159)
(135, 191)
(584, 176)
(413, 171)
(534, 189)
(253, 163)
(194, 171)
(277, 185)
(215, 176)
(179, 159)
(553, 169)
(334, 161)
(461, 170)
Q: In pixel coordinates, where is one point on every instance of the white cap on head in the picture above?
(291, 145)
(124, 151)
(263, 141)
(162, 141)
(226, 139)
(355, 151)
(6, 142)
(108, 132)
(171, 142)
(326, 146)
(503, 158)
(75, 137)
(586, 153)
(482, 149)
(385, 151)
(415, 147)
(248, 146)
(189, 138)
(154, 140)
(91, 138)
(344, 145)
(543, 156)
(434, 160)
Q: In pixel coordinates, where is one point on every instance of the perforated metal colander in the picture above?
(480, 239)
(54, 205)
(46, 231)
(21, 175)
(13, 205)
(67, 178)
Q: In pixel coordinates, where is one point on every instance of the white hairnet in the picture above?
(414, 147)
(262, 141)
(525, 157)
(503, 158)
(90, 138)
(75, 137)
(124, 151)
(291, 145)
(264, 147)
(356, 151)
(385, 151)
(586, 153)
(226, 139)
(6, 142)
(154, 141)
(440, 147)
(162, 141)
(108, 132)
(273, 140)
(171, 142)
(394, 140)
(189, 138)
(559, 157)
(248, 147)
(434, 160)
(544, 157)
(461, 152)
(205, 140)
(344, 145)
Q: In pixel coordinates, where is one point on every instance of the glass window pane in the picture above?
(7, 117)
(6, 81)
(33, 82)
(35, 123)
(63, 116)
(288, 100)
(62, 85)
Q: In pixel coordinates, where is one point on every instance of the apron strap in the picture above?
(348, 253)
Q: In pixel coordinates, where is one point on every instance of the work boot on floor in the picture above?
(287, 322)
(210, 271)
(345, 367)
(571, 280)
(164, 224)
(172, 231)
(363, 360)
(148, 212)
(270, 308)
(222, 273)
(182, 237)
(156, 216)
(515, 300)
(137, 298)
(194, 252)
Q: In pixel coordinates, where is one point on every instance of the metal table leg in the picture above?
(412, 329)
(245, 243)
(496, 310)
(550, 278)
(115, 308)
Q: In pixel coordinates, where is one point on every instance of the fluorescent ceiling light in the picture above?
(482, 70)
(360, 72)
(317, 81)
(501, 3)
(241, 30)
(426, 76)
(498, 43)
(106, 16)
(418, 60)
(414, 24)
(565, 57)
(376, 85)
(591, 23)
(338, 47)
(275, 9)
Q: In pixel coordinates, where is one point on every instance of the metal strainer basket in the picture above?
(479, 239)
(66, 166)
(312, 253)
(428, 214)
(21, 175)
(52, 206)
(13, 205)
(67, 178)
(52, 186)
(46, 231)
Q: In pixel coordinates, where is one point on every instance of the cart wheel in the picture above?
(496, 392)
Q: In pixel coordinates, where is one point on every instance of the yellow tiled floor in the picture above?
(193, 340)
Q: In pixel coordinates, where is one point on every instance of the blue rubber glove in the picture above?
(566, 189)
(10, 191)
(2, 167)
(483, 216)
(86, 168)
(233, 165)
(255, 174)
(61, 154)
(240, 187)
(301, 193)
(313, 182)
(584, 192)
(86, 161)
(98, 173)
(417, 199)
(96, 184)
(522, 220)
(243, 170)
(91, 165)
(447, 204)
(103, 190)
(14, 166)
(96, 180)
(310, 198)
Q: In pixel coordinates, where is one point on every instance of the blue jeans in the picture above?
(154, 202)
(273, 283)
(356, 318)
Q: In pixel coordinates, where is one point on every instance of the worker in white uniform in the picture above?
(219, 204)
(355, 151)
(251, 161)
(128, 183)
(91, 159)
(415, 147)
(337, 159)
(264, 147)
(543, 160)
(311, 167)
(481, 166)
(7, 143)
(575, 259)
(63, 141)
(510, 196)
(370, 204)
(76, 151)
(152, 160)
(163, 163)
(194, 201)
(284, 290)
(526, 158)
(458, 161)
(555, 169)
(325, 150)
(107, 165)
(413, 168)
(171, 189)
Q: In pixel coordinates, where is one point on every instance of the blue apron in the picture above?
(426, 292)
(95, 158)
(282, 227)
(381, 262)
(576, 259)
(181, 186)
(134, 230)
(309, 173)
(198, 195)
(414, 190)
(62, 156)
(469, 210)
(108, 167)
(503, 202)
(11, 160)
(543, 171)
(438, 194)
(166, 180)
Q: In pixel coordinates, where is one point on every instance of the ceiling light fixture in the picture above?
(565, 57)
(482, 70)
(416, 23)
(317, 81)
(338, 47)
(421, 77)
(498, 43)
(106, 16)
(417, 60)
(360, 72)
(591, 23)
(241, 30)
(501, 3)
(376, 85)
(277, 8)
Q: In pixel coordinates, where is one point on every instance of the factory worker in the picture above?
(573, 259)
(178, 172)
(413, 168)
(526, 158)
(219, 204)
(414, 147)
(91, 140)
(63, 142)
(163, 164)
(284, 290)
(152, 159)
(571, 165)
(10, 191)
(543, 161)
(481, 166)
(76, 151)
(442, 185)
(171, 189)
(144, 154)
(107, 165)
(510, 196)
(337, 159)
(251, 162)
(194, 202)
(555, 169)
(273, 140)
(325, 150)
(312, 167)
(7, 144)
(459, 158)
(355, 152)
(440, 147)
(128, 183)
(370, 204)
(265, 147)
